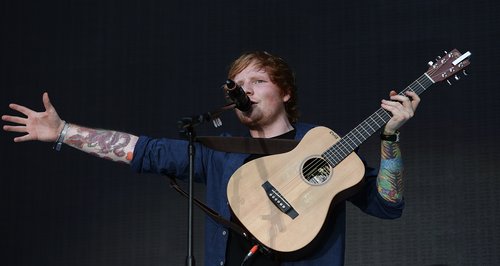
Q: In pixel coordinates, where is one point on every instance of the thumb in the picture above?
(46, 101)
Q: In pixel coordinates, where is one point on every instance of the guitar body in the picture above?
(299, 179)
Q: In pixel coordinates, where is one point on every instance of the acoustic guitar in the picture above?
(283, 200)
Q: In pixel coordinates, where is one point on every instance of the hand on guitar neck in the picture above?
(402, 108)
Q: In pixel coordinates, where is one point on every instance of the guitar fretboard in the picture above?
(345, 146)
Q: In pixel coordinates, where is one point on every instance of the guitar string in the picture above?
(382, 116)
(421, 80)
(296, 180)
(348, 140)
(356, 139)
(423, 83)
(385, 117)
(332, 154)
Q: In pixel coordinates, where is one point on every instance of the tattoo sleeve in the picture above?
(390, 177)
(107, 144)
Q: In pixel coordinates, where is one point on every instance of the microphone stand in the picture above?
(186, 126)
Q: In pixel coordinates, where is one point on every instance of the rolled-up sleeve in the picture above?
(166, 156)
(369, 200)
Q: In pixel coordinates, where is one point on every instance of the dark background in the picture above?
(138, 66)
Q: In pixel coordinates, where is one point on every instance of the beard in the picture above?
(249, 118)
(263, 115)
(256, 118)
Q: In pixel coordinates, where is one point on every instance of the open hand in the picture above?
(43, 126)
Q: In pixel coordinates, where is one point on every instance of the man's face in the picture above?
(267, 98)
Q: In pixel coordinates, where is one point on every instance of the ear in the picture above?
(286, 97)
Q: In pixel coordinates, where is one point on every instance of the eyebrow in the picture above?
(256, 75)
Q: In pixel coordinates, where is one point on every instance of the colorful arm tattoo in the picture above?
(390, 176)
(106, 144)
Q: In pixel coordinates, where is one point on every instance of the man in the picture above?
(270, 85)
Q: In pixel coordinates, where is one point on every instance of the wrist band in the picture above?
(393, 138)
(60, 138)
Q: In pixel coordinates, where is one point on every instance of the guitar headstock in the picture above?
(448, 65)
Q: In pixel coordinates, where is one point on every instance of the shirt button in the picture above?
(224, 233)
(221, 263)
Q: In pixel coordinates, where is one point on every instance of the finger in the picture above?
(412, 94)
(397, 110)
(406, 103)
(24, 110)
(390, 106)
(26, 137)
(14, 128)
(46, 101)
(415, 99)
(395, 104)
(14, 119)
(400, 98)
(394, 96)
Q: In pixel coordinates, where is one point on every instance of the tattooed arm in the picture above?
(46, 126)
(390, 176)
(107, 144)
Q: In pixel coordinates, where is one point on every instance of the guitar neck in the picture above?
(352, 140)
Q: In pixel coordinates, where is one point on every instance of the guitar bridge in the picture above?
(279, 201)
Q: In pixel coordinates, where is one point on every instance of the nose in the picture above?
(248, 88)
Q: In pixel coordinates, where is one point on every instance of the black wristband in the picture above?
(60, 138)
(393, 138)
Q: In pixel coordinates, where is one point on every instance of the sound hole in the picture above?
(316, 171)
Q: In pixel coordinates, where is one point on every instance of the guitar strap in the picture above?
(248, 145)
(236, 145)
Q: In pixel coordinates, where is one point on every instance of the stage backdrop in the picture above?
(139, 66)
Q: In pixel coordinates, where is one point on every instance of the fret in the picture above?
(359, 134)
(350, 140)
(371, 127)
(419, 84)
(368, 128)
(379, 126)
(367, 133)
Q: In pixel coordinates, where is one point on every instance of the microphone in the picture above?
(238, 96)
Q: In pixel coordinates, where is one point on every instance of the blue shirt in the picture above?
(214, 168)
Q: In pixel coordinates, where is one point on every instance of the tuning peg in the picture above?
(465, 73)
(449, 82)
(457, 77)
(445, 52)
(438, 57)
(430, 63)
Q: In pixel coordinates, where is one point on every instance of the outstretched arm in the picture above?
(108, 144)
(47, 126)
(390, 177)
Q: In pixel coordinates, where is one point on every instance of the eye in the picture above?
(259, 81)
